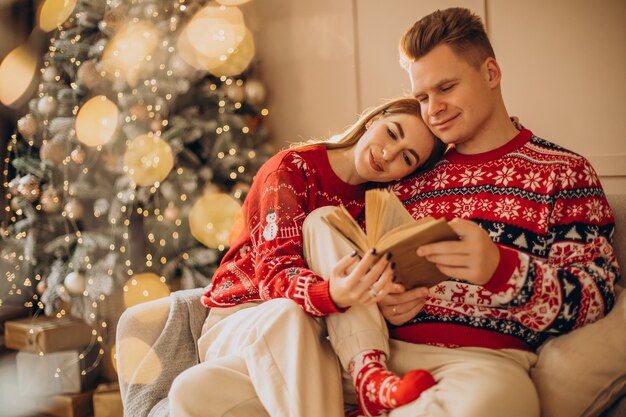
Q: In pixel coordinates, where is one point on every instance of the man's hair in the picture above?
(457, 27)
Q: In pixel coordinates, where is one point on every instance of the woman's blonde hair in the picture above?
(350, 136)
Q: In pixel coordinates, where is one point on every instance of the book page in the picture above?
(383, 212)
(341, 220)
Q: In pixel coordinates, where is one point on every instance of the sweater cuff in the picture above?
(319, 296)
(509, 262)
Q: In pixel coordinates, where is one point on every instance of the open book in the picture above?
(390, 228)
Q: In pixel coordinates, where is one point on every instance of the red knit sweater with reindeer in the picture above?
(266, 260)
(545, 209)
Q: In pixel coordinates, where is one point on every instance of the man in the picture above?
(534, 257)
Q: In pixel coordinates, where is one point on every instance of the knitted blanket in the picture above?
(175, 349)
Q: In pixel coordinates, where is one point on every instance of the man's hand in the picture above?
(473, 258)
(400, 305)
(370, 280)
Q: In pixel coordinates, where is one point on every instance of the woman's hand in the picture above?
(369, 282)
(400, 305)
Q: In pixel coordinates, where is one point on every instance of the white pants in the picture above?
(272, 359)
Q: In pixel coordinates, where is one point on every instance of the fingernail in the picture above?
(373, 251)
(353, 254)
(389, 255)
(393, 265)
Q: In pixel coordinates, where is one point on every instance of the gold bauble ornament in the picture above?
(114, 18)
(74, 209)
(96, 121)
(156, 124)
(212, 217)
(88, 74)
(27, 126)
(29, 187)
(13, 186)
(144, 287)
(138, 111)
(235, 92)
(50, 200)
(41, 287)
(53, 151)
(78, 155)
(171, 212)
(148, 159)
(255, 92)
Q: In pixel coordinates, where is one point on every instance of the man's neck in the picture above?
(495, 133)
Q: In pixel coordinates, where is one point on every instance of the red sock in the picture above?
(379, 390)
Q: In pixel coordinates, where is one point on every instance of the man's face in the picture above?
(456, 98)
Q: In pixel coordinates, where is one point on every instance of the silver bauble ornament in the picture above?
(75, 283)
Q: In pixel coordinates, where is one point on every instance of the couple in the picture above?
(534, 258)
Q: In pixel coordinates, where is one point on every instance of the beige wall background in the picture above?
(564, 66)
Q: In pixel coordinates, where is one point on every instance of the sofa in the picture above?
(580, 374)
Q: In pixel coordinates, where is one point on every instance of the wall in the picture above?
(563, 63)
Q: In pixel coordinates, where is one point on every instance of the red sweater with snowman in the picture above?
(266, 260)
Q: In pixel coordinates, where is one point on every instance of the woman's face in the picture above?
(392, 147)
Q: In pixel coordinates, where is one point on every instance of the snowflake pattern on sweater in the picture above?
(266, 260)
(545, 209)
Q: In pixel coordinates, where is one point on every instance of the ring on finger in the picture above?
(395, 310)
(373, 292)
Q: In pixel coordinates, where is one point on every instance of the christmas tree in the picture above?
(126, 175)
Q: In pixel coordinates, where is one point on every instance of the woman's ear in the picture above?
(372, 120)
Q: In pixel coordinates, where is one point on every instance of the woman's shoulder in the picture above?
(296, 158)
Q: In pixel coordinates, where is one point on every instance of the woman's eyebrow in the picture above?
(399, 127)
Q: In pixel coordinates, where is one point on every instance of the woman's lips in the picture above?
(375, 165)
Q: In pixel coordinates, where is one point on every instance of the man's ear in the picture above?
(493, 74)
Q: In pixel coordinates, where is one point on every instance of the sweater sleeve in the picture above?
(574, 283)
(280, 269)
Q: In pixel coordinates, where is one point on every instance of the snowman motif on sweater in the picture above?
(271, 229)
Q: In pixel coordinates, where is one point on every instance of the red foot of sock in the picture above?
(379, 390)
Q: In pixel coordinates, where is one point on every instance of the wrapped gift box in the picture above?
(107, 401)
(56, 373)
(66, 405)
(46, 334)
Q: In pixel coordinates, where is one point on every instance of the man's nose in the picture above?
(435, 106)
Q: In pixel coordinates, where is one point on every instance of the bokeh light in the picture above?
(96, 121)
(137, 352)
(239, 60)
(54, 12)
(212, 217)
(148, 159)
(17, 73)
(144, 287)
(128, 51)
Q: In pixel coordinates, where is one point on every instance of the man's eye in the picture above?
(422, 99)
(447, 88)
(392, 134)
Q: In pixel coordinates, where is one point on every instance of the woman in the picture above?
(267, 260)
